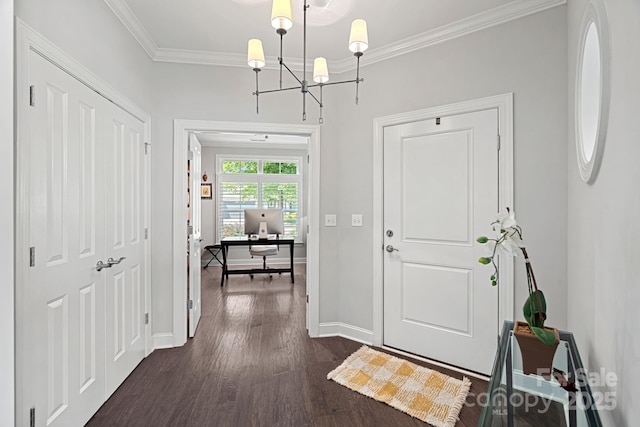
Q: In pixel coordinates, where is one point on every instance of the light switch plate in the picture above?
(356, 220)
(330, 221)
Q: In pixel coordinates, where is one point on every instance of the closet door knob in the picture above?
(100, 265)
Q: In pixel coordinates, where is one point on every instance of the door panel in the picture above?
(124, 223)
(85, 174)
(427, 161)
(63, 310)
(440, 190)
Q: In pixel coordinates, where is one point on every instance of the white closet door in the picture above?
(63, 318)
(124, 243)
(82, 329)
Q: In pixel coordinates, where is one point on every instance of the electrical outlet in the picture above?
(356, 220)
(330, 221)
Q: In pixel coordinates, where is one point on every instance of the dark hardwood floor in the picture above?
(252, 363)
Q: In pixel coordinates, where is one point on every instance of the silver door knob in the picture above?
(112, 261)
(390, 248)
(100, 265)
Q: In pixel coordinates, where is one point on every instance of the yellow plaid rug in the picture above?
(428, 395)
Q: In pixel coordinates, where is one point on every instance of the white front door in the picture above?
(195, 235)
(80, 329)
(440, 192)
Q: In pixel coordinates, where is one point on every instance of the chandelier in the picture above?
(282, 20)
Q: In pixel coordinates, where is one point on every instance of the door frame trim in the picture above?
(181, 130)
(504, 104)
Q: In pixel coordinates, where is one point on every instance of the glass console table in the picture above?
(514, 399)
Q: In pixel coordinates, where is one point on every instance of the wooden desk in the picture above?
(243, 241)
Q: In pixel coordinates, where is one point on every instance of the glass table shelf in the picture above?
(515, 399)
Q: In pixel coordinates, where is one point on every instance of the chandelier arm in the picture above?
(278, 90)
(336, 83)
(293, 74)
(257, 92)
(357, 75)
(320, 119)
(314, 97)
(280, 58)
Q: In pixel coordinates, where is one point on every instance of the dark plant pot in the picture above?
(537, 357)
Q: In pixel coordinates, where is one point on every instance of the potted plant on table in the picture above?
(537, 343)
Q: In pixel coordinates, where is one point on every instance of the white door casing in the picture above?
(181, 131)
(440, 189)
(71, 180)
(504, 105)
(195, 237)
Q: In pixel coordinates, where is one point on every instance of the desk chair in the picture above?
(264, 252)
(214, 250)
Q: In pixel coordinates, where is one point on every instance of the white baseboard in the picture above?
(164, 340)
(339, 329)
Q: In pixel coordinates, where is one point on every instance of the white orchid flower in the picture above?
(505, 221)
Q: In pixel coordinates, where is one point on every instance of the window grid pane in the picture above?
(235, 197)
(239, 167)
(283, 196)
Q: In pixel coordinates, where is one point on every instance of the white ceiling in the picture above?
(217, 31)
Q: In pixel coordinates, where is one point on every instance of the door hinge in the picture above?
(307, 299)
(190, 304)
(308, 158)
(32, 417)
(32, 96)
(146, 318)
(498, 142)
(146, 233)
(190, 155)
(146, 147)
(189, 229)
(32, 256)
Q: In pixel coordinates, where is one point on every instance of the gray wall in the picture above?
(526, 57)
(604, 231)
(90, 33)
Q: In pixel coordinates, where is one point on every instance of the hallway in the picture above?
(252, 363)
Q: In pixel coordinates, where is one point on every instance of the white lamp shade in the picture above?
(320, 70)
(255, 54)
(358, 38)
(281, 16)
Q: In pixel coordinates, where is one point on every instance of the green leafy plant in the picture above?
(508, 242)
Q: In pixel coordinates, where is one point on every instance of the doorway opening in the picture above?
(236, 135)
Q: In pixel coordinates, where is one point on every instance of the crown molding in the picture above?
(135, 27)
(202, 57)
(463, 27)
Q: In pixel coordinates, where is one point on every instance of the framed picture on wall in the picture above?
(205, 190)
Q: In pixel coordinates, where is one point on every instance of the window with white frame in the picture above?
(258, 182)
